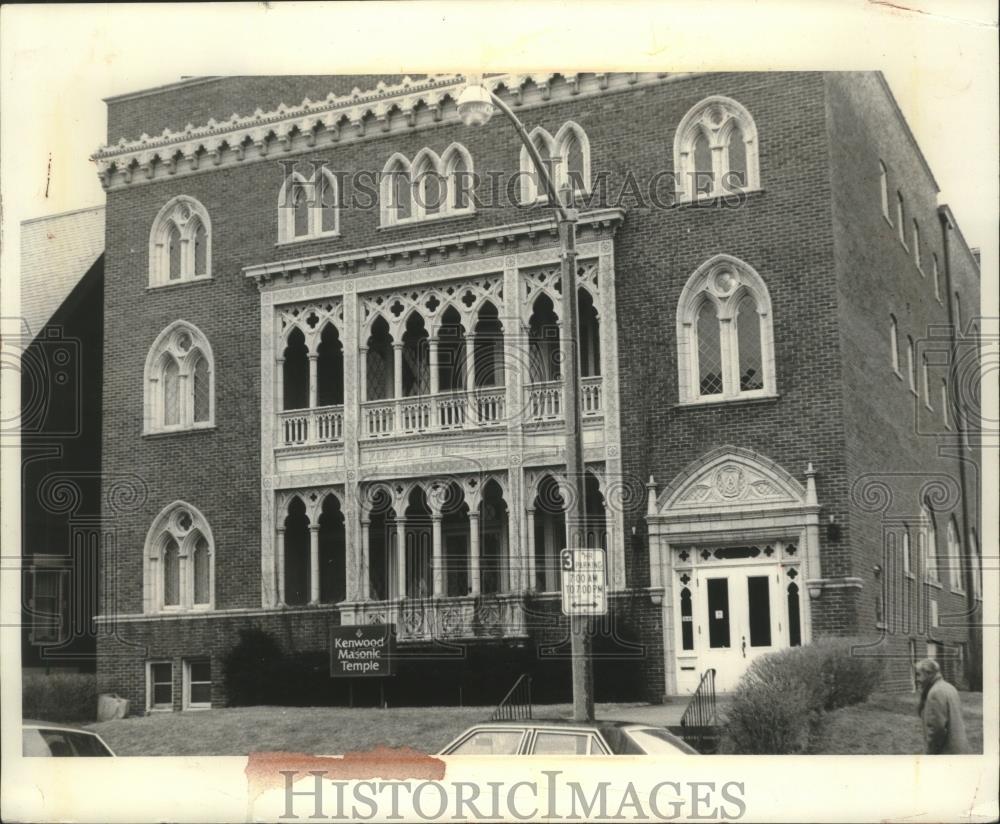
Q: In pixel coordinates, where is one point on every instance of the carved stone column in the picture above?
(437, 561)
(313, 381)
(400, 558)
(474, 553)
(364, 584)
(530, 517)
(313, 563)
(280, 565)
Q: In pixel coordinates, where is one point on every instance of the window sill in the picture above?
(914, 392)
(932, 583)
(897, 373)
(417, 221)
(176, 284)
(735, 400)
(910, 575)
(158, 710)
(717, 199)
(306, 238)
(197, 707)
(186, 430)
(888, 220)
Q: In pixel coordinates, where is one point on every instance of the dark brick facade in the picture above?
(815, 233)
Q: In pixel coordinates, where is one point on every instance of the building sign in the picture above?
(584, 582)
(361, 651)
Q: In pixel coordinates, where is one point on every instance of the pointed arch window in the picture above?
(954, 558)
(180, 243)
(937, 277)
(716, 150)
(916, 246)
(883, 178)
(901, 218)
(431, 186)
(309, 207)
(179, 561)
(179, 390)
(928, 536)
(566, 156)
(977, 571)
(725, 339)
(925, 379)
(911, 365)
(894, 343)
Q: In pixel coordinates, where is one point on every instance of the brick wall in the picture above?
(627, 645)
(818, 206)
(898, 450)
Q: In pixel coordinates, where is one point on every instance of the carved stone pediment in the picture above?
(730, 479)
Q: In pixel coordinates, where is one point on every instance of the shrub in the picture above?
(59, 697)
(850, 675)
(252, 669)
(778, 705)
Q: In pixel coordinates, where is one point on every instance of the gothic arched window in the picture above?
(179, 384)
(725, 345)
(309, 207)
(566, 156)
(715, 150)
(954, 558)
(431, 186)
(180, 243)
(179, 562)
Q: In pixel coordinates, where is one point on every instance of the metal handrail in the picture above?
(701, 709)
(516, 704)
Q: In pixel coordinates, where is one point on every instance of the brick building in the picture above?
(332, 371)
(59, 359)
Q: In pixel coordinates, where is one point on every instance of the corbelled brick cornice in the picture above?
(408, 105)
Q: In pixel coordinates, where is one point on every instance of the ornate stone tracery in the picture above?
(311, 318)
(430, 302)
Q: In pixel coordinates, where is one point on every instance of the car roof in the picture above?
(599, 723)
(49, 725)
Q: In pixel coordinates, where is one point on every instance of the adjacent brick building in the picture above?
(332, 330)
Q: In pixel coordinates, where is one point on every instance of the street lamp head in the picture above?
(474, 105)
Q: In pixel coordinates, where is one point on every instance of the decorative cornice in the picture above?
(408, 105)
(440, 246)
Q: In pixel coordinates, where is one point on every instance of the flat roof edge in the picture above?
(187, 81)
(82, 209)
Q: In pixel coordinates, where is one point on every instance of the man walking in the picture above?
(940, 710)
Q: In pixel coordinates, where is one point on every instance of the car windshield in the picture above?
(656, 741)
(489, 742)
(48, 743)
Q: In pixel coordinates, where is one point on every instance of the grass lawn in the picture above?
(888, 724)
(314, 730)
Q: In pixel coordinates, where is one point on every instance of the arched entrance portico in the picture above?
(733, 540)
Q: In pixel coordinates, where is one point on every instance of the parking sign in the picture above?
(584, 582)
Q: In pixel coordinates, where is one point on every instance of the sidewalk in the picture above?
(664, 715)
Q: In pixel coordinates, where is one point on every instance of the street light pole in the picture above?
(475, 107)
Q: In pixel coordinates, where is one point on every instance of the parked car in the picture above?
(45, 740)
(562, 737)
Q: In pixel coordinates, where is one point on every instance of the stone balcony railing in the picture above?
(453, 618)
(443, 412)
(324, 424)
(544, 401)
(483, 408)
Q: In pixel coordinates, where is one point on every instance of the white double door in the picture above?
(741, 618)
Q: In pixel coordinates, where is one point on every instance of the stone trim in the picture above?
(392, 254)
(406, 106)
